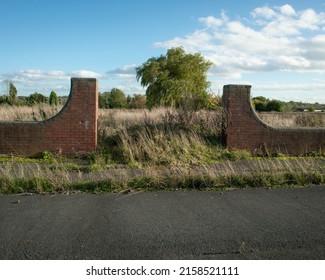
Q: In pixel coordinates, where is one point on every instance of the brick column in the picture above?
(72, 131)
(243, 129)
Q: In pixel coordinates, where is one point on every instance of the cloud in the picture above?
(31, 75)
(312, 92)
(265, 12)
(287, 10)
(85, 74)
(31, 80)
(271, 39)
(211, 22)
(127, 71)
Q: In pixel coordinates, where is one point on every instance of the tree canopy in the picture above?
(12, 93)
(36, 98)
(176, 79)
(112, 99)
(53, 100)
(264, 104)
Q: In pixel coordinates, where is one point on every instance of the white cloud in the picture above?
(211, 22)
(32, 75)
(32, 80)
(264, 12)
(287, 10)
(85, 74)
(126, 72)
(201, 39)
(273, 39)
(312, 92)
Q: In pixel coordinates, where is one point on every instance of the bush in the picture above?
(263, 104)
(275, 105)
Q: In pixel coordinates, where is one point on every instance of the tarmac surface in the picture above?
(233, 224)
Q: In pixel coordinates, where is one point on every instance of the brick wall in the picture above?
(72, 131)
(243, 129)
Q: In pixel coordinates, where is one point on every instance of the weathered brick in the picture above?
(243, 129)
(62, 132)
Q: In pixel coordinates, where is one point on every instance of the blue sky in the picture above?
(276, 46)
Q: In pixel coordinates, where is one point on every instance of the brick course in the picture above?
(72, 131)
(243, 129)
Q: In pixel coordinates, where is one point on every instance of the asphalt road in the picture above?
(235, 224)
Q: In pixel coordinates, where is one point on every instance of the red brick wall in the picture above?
(243, 129)
(72, 131)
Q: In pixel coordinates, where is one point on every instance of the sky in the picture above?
(278, 47)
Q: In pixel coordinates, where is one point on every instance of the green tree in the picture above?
(176, 79)
(12, 93)
(116, 99)
(260, 103)
(36, 98)
(275, 105)
(137, 101)
(4, 99)
(53, 99)
(101, 101)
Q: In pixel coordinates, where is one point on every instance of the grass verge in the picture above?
(229, 174)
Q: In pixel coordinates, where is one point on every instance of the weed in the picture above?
(46, 155)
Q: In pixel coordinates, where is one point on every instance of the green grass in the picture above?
(170, 183)
(263, 173)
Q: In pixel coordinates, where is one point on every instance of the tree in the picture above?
(116, 99)
(4, 99)
(263, 104)
(12, 93)
(176, 79)
(53, 99)
(214, 102)
(260, 103)
(275, 105)
(101, 101)
(36, 98)
(137, 101)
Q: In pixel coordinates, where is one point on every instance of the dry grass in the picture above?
(159, 136)
(300, 119)
(18, 177)
(37, 112)
(121, 118)
(116, 119)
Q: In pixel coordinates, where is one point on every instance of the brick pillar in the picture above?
(243, 129)
(72, 131)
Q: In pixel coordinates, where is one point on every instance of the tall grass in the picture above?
(301, 119)
(160, 136)
(58, 177)
(36, 112)
(150, 150)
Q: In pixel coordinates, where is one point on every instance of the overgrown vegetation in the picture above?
(39, 178)
(263, 104)
(295, 119)
(161, 149)
(160, 137)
